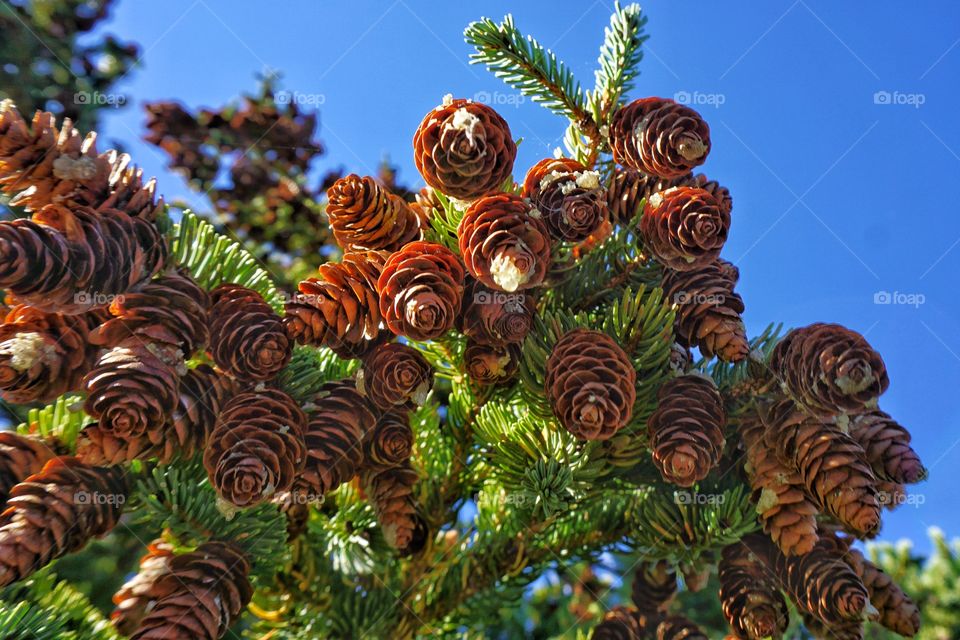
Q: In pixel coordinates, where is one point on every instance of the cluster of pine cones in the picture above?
(99, 308)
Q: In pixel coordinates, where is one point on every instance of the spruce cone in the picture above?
(568, 196)
(679, 628)
(44, 355)
(365, 216)
(495, 318)
(256, 448)
(503, 245)
(829, 368)
(846, 630)
(887, 447)
(822, 584)
(686, 430)
(55, 512)
(751, 598)
(654, 586)
(708, 313)
(391, 441)
(391, 492)
(591, 384)
(20, 456)
(42, 165)
(833, 467)
(659, 137)
(491, 364)
(684, 227)
(247, 338)
(394, 375)
(421, 287)
(720, 193)
(341, 309)
(200, 596)
(73, 260)
(137, 594)
(897, 611)
(629, 187)
(620, 623)
(464, 149)
(338, 424)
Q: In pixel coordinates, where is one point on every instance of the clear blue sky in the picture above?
(836, 197)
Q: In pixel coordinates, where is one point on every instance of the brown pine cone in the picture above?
(495, 318)
(427, 204)
(44, 355)
(822, 584)
(200, 596)
(659, 137)
(390, 443)
(832, 465)
(620, 623)
(752, 602)
(247, 337)
(56, 512)
(391, 492)
(686, 430)
(829, 368)
(503, 244)
(629, 187)
(464, 149)
(491, 364)
(708, 312)
(887, 447)
(257, 447)
(897, 611)
(720, 193)
(340, 420)
(846, 630)
(20, 456)
(684, 227)
(394, 375)
(654, 586)
(787, 513)
(295, 506)
(341, 308)
(365, 216)
(137, 594)
(41, 165)
(421, 288)
(678, 627)
(568, 197)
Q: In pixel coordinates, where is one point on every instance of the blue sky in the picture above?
(837, 188)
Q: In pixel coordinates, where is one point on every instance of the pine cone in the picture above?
(44, 355)
(686, 430)
(568, 197)
(464, 149)
(829, 368)
(20, 456)
(56, 512)
(787, 513)
(391, 441)
(394, 375)
(620, 623)
(495, 318)
(247, 338)
(833, 467)
(391, 492)
(751, 598)
(421, 287)
(339, 421)
(256, 448)
(654, 586)
(720, 193)
(491, 364)
(365, 216)
(659, 137)
(629, 187)
(677, 627)
(341, 309)
(897, 611)
(137, 594)
(887, 447)
(684, 227)
(200, 596)
(708, 312)
(822, 584)
(503, 245)
(846, 630)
